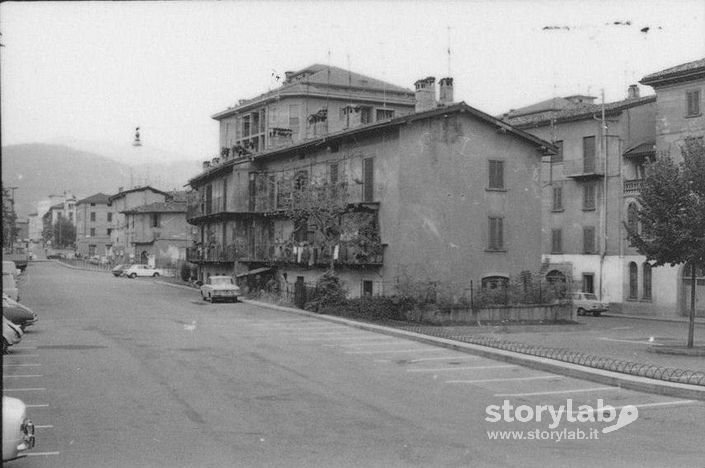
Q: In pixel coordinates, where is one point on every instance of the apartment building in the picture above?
(157, 234)
(680, 103)
(444, 195)
(93, 221)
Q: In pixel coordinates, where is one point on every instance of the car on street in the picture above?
(587, 303)
(56, 256)
(220, 288)
(17, 313)
(17, 429)
(135, 270)
(9, 285)
(11, 334)
(119, 270)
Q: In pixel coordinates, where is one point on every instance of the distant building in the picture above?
(157, 233)
(441, 195)
(93, 221)
(122, 251)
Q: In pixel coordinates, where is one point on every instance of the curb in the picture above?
(698, 320)
(630, 382)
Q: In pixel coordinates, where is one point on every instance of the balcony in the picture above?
(348, 254)
(214, 254)
(633, 187)
(584, 169)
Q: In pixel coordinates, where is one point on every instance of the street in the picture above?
(121, 372)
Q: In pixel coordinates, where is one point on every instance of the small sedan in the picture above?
(119, 270)
(220, 288)
(586, 303)
(19, 314)
(17, 429)
(133, 271)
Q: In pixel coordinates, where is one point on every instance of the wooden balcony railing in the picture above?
(633, 187)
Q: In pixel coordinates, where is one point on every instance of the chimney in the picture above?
(288, 76)
(425, 94)
(633, 92)
(206, 165)
(446, 91)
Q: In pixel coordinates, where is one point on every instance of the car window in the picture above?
(591, 297)
(221, 281)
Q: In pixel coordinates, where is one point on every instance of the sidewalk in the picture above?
(611, 355)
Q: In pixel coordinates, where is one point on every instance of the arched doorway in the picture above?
(686, 290)
(143, 257)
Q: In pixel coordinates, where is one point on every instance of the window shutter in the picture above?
(368, 182)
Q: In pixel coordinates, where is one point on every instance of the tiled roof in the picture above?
(583, 111)
(684, 70)
(318, 79)
(160, 207)
(136, 189)
(98, 198)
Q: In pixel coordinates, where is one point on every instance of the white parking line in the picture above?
(21, 365)
(452, 358)
(640, 342)
(37, 406)
(646, 405)
(556, 392)
(41, 454)
(20, 348)
(48, 426)
(367, 345)
(508, 379)
(346, 338)
(38, 389)
(443, 369)
(19, 376)
(18, 355)
(389, 351)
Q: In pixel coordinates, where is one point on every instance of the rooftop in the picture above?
(160, 207)
(98, 198)
(683, 72)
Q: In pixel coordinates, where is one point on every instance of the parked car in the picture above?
(9, 286)
(585, 303)
(17, 429)
(133, 271)
(11, 334)
(119, 270)
(220, 288)
(56, 256)
(17, 313)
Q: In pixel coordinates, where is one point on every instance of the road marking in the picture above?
(41, 454)
(446, 357)
(24, 347)
(362, 338)
(381, 351)
(506, 379)
(19, 355)
(48, 426)
(37, 406)
(641, 342)
(19, 376)
(24, 389)
(383, 343)
(21, 365)
(555, 392)
(621, 328)
(442, 369)
(645, 405)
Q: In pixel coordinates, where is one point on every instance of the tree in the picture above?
(9, 219)
(672, 214)
(63, 232)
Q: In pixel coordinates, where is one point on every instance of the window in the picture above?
(300, 180)
(692, 102)
(225, 194)
(91, 250)
(365, 115)
(589, 240)
(496, 234)
(496, 175)
(556, 241)
(633, 217)
(589, 283)
(558, 157)
(557, 198)
(92, 232)
(367, 288)
(589, 154)
(294, 118)
(495, 282)
(92, 204)
(110, 217)
(385, 114)
(646, 279)
(92, 215)
(633, 280)
(589, 196)
(154, 217)
(368, 174)
(109, 231)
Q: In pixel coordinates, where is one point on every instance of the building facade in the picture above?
(680, 93)
(445, 196)
(157, 234)
(93, 221)
(121, 250)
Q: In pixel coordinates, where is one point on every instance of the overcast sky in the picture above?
(96, 70)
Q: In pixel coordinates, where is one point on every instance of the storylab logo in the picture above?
(552, 422)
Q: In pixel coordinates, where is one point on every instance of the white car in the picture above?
(11, 334)
(585, 303)
(9, 286)
(220, 288)
(133, 271)
(17, 429)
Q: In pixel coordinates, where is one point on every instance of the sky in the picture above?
(96, 70)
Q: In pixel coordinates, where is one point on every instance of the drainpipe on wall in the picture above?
(603, 214)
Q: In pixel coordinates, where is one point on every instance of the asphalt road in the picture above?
(131, 373)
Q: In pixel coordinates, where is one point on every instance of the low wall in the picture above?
(518, 313)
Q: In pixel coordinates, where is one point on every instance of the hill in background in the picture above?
(38, 170)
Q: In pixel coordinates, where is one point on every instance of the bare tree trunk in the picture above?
(691, 324)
